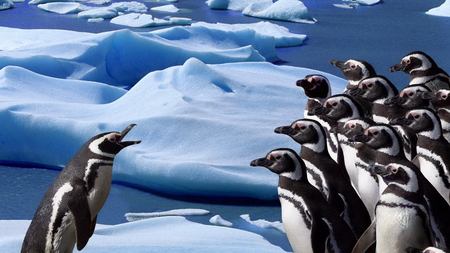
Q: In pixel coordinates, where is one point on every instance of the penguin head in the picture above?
(381, 137)
(338, 108)
(284, 162)
(307, 132)
(315, 86)
(414, 61)
(354, 126)
(421, 121)
(399, 174)
(354, 70)
(439, 99)
(374, 88)
(410, 97)
(111, 143)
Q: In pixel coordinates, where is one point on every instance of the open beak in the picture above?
(123, 134)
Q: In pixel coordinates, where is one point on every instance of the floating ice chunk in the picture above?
(95, 20)
(97, 2)
(217, 220)
(263, 223)
(44, 1)
(63, 7)
(129, 6)
(442, 10)
(147, 20)
(6, 4)
(286, 10)
(235, 5)
(283, 38)
(176, 212)
(101, 12)
(345, 6)
(367, 2)
(166, 8)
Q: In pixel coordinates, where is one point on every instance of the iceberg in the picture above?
(235, 5)
(286, 10)
(6, 4)
(113, 10)
(177, 212)
(166, 8)
(442, 10)
(147, 20)
(63, 7)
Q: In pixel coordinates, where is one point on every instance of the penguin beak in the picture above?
(355, 91)
(123, 134)
(304, 84)
(338, 64)
(397, 67)
(379, 170)
(359, 138)
(264, 162)
(396, 100)
(400, 121)
(433, 97)
(320, 110)
(284, 130)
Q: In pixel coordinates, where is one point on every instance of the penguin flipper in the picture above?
(366, 240)
(79, 207)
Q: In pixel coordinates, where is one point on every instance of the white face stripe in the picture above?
(355, 111)
(365, 71)
(56, 202)
(297, 173)
(321, 143)
(436, 132)
(93, 147)
(426, 64)
(413, 184)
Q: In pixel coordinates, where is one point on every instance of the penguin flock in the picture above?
(373, 170)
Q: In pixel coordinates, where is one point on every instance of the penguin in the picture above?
(410, 98)
(68, 211)
(441, 104)
(354, 71)
(422, 69)
(336, 109)
(432, 148)
(401, 214)
(311, 224)
(317, 88)
(357, 158)
(427, 250)
(385, 140)
(377, 90)
(322, 169)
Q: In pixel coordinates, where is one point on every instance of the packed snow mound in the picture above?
(286, 10)
(200, 125)
(164, 234)
(147, 20)
(123, 57)
(6, 4)
(63, 7)
(235, 5)
(443, 10)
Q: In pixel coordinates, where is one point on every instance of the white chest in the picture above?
(99, 193)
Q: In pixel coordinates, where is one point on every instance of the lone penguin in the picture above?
(401, 214)
(327, 174)
(312, 225)
(422, 69)
(67, 213)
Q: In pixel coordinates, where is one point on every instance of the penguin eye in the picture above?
(352, 65)
(370, 85)
(410, 94)
(375, 133)
(444, 96)
(416, 116)
(302, 127)
(352, 126)
(394, 170)
(112, 138)
(406, 61)
(334, 104)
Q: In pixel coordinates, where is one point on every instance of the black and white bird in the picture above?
(385, 140)
(68, 211)
(357, 158)
(336, 110)
(427, 250)
(432, 148)
(401, 214)
(411, 97)
(317, 88)
(441, 104)
(312, 225)
(326, 175)
(354, 71)
(422, 69)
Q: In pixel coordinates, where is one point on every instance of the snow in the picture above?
(147, 20)
(63, 7)
(235, 5)
(442, 10)
(178, 212)
(286, 10)
(263, 223)
(217, 220)
(163, 234)
(113, 10)
(166, 8)
(6, 4)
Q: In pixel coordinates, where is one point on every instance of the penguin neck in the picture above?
(298, 174)
(311, 150)
(435, 134)
(411, 193)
